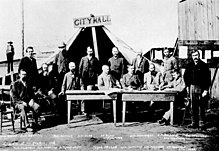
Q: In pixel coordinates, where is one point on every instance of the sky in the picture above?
(141, 24)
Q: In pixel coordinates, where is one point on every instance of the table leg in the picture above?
(1, 116)
(171, 113)
(114, 111)
(123, 112)
(69, 111)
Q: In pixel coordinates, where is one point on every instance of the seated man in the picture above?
(152, 79)
(47, 92)
(177, 84)
(130, 81)
(106, 81)
(23, 97)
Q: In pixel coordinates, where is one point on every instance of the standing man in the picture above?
(197, 78)
(29, 64)
(88, 70)
(10, 56)
(141, 65)
(71, 80)
(116, 64)
(61, 63)
(170, 63)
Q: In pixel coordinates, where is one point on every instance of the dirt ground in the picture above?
(96, 134)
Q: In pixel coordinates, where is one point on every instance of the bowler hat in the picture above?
(62, 45)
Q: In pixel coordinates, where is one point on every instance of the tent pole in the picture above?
(95, 42)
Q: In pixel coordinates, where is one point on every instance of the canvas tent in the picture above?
(76, 46)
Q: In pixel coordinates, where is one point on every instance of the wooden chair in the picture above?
(6, 108)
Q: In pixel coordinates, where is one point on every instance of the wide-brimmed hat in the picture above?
(62, 45)
(10, 42)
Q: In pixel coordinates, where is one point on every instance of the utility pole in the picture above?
(22, 31)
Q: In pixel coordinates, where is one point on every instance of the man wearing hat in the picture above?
(10, 55)
(61, 63)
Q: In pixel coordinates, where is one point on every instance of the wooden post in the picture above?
(95, 42)
(22, 31)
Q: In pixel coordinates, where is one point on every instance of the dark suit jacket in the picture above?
(21, 93)
(198, 75)
(142, 66)
(70, 82)
(31, 67)
(131, 80)
(88, 70)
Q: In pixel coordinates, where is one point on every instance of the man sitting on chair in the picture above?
(23, 97)
(177, 84)
(106, 81)
(152, 79)
(131, 81)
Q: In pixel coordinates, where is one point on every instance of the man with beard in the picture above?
(71, 80)
(197, 78)
(88, 72)
(170, 63)
(152, 79)
(141, 65)
(23, 98)
(116, 64)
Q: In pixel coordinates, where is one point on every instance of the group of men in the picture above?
(141, 75)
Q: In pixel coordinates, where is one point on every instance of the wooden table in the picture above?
(168, 96)
(74, 95)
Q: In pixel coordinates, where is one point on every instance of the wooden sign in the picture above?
(92, 21)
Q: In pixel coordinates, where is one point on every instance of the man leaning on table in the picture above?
(131, 81)
(152, 79)
(178, 85)
(70, 82)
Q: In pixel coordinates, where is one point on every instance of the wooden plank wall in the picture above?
(215, 86)
(198, 20)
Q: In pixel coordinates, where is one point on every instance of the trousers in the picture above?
(198, 104)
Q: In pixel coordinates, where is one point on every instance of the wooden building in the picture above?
(198, 28)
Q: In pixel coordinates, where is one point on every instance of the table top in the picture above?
(104, 92)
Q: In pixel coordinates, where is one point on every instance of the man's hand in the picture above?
(204, 93)
(24, 103)
(61, 93)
